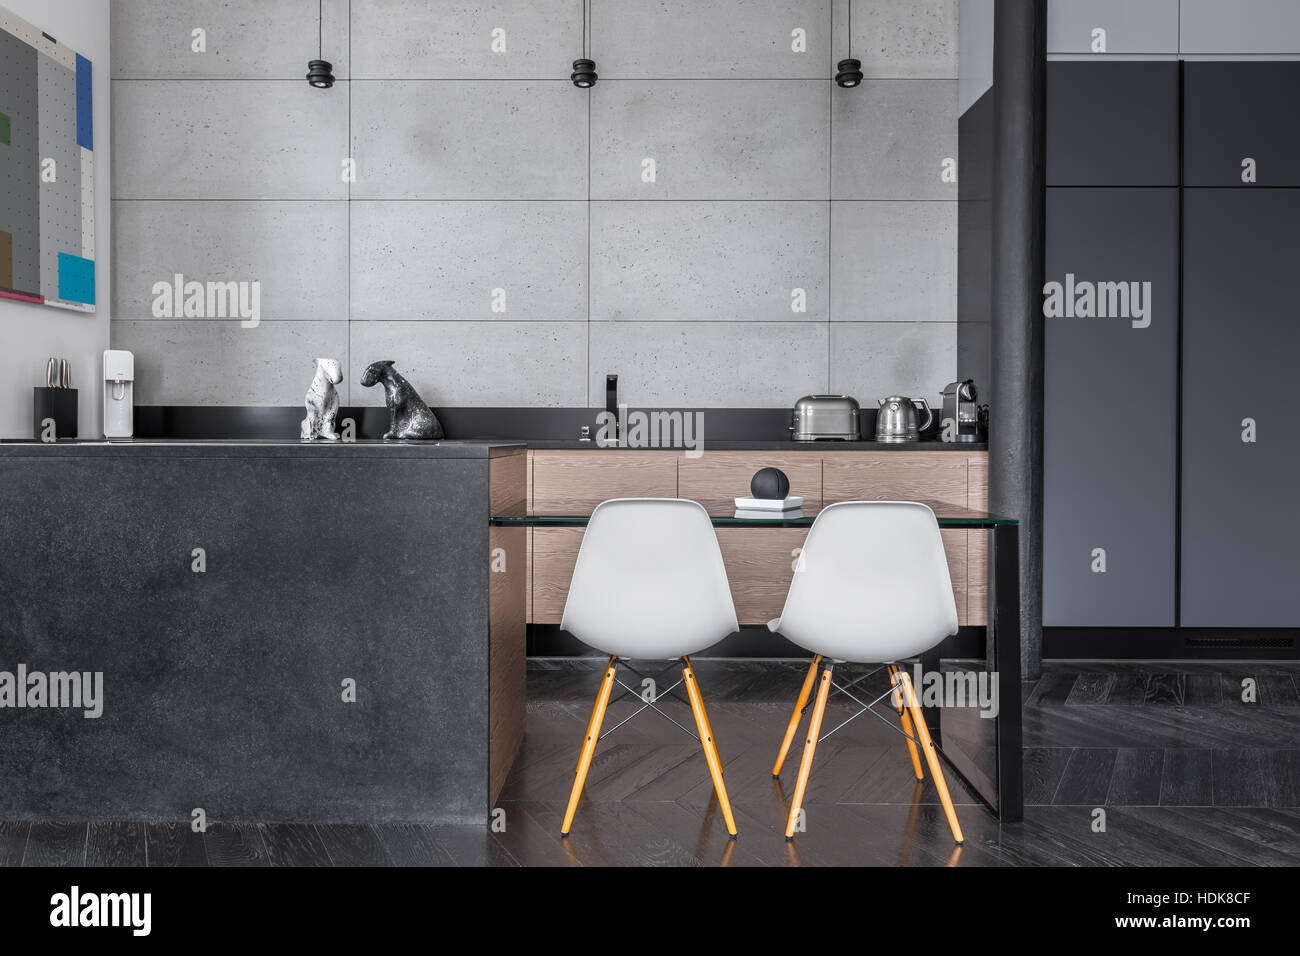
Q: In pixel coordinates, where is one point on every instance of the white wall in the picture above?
(32, 333)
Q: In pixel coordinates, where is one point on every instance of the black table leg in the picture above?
(933, 714)
(1004, 652)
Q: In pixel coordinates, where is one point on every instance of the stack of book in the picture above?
(770, 508)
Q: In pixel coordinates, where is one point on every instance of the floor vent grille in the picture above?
(1243, 642)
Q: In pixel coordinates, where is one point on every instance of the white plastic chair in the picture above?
(649, 583)
(871, 586)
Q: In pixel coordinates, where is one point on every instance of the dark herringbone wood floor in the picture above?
(1187, 773)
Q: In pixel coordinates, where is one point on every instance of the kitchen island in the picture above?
(278, 630)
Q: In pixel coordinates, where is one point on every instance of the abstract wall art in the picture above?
(47, 169)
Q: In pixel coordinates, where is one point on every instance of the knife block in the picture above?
(59, 404)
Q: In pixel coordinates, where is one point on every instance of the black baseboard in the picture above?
(751, 641)
(1170, 643)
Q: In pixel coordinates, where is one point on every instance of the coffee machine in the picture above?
(119, 405)
(960, 409)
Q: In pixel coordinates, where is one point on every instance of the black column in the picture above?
(1016, 420)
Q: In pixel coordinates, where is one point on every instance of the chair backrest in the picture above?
(649, 580)
(871, 583)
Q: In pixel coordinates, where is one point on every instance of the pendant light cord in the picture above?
(586, 27)
(320, 29)
(850, 29)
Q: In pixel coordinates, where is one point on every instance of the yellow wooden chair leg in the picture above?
(897, 699)
(805, 692)
(597, 714)
(589, 744)
(710, 745)
(810, 745)
(931, 757)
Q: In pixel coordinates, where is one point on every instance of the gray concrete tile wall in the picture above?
(462, 139)
(240, 39)
(469, 260)
(794, 237)
(416, 39)
(748, 261)
(222, 363)
(228, 139)
(296, 250)
(718, 39)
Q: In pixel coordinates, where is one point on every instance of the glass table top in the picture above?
(949, 516)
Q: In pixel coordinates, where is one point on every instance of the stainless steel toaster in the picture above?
(825, 417)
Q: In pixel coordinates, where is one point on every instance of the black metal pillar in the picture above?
(1016, 421)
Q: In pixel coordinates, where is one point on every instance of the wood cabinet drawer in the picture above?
(716, 479)
(574, 482)
(760, 564)
(977, 543)
(938, 476)
(954, 546)
(555, 552)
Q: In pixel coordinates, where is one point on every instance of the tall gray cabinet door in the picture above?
(1110, 310)
(1241, 446)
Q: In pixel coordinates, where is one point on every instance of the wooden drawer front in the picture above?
(574, 482)
(507, 682)
(954, 545)
(895, 476)
(977, 545)
(716, 479)
(977, 577)
(508, 485)
(760, 564)
(555, 552)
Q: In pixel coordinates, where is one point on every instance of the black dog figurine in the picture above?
(408, 416)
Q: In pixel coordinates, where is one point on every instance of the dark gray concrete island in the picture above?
(278, 631)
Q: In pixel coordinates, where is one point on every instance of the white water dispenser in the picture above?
(119, 407)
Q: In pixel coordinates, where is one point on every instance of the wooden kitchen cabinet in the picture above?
(574, 482)
(716, 479)
(759, 567)
(977, 544)
(932, 476)
(759, 562)
(555, 552)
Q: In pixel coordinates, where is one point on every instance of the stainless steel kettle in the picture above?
(899, 419)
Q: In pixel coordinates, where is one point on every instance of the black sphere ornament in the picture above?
(584, 74)
(770, 483)
(850, 73)
(320, 74)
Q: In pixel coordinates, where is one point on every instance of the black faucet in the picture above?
(611, 404)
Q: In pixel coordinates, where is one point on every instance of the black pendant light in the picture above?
(320, 72)
(584, 74)
(849, 72)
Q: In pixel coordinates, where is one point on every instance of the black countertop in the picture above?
(447, 448)
(778, 445)
(728, 429)
(257, 448)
